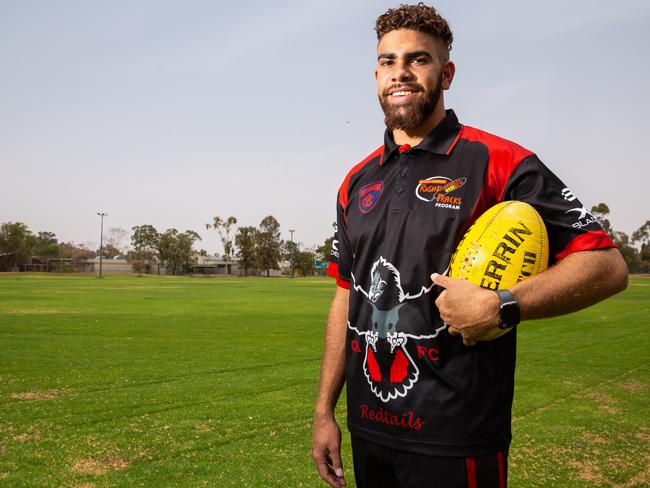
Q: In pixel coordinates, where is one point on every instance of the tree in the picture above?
(144, 240)
(114, 238)
(175, 249)
(245, 240)
(291, 250)
(223, 227)
(621, 239)
(641, 237)
(642, 234)
(138, 261)
(46, 244)
(324, 252)
(629, 253)
(17, 245)
(600, 213)
(269, 244)
(111, 251)
(305, 263)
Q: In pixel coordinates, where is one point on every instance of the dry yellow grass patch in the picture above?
(641, 479)
(643, 435)
(593, 438)
(203, 427)
(26, 437)
(36, 395)
(633, 386)
(593, 468)
(588, 470)
(605, 402)
(100, 466)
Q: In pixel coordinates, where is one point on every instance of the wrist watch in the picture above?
(509, 312)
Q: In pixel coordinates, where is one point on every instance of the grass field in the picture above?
(165, 381)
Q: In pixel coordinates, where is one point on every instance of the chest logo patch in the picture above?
(369, 196)
(388, 363)
(439, 190)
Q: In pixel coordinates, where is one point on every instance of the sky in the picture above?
(171, 112)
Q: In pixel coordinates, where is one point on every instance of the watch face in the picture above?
(510, 315)
(509, 312)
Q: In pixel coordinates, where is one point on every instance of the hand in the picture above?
(466, 308)
(326, 450)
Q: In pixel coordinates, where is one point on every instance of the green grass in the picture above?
(165, 381)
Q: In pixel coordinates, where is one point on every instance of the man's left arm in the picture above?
(579, 280)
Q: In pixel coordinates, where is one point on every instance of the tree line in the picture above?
(257, 249)
(262, 248)
(18, 244)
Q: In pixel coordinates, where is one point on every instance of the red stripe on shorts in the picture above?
(502, 477)
(470, 465)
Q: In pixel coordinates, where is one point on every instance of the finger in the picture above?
(326, 474)
(441, 300)
(337, 464)
(453, 330)
(441, 280)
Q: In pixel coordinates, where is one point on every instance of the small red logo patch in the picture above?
(369, 196)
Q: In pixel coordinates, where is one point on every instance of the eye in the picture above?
(419, 60)
(386, 62)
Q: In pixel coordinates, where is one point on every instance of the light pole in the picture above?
(292, 257)
(101, 241)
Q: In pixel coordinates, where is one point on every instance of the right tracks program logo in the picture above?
(439, 189)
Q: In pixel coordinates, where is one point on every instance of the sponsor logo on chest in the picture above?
(440, 191)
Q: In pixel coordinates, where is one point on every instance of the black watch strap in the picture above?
(508, 309)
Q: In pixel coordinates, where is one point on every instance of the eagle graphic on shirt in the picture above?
(388, 366)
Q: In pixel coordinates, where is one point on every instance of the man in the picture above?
(428, 405)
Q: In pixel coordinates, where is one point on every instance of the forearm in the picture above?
(332, 373)
(577, 281)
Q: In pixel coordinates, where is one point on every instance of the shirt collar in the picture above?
(441, 140)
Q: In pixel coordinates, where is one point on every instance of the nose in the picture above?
(403, 72)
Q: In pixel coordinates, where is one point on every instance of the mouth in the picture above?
(402, 95)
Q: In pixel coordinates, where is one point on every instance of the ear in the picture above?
(448, 71)
(376, 73)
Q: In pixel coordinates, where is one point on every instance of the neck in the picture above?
(417, 135)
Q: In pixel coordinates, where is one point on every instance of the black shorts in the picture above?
(381, 467)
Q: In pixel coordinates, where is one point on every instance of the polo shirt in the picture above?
(400, 214)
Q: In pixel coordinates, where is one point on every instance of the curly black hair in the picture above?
(418, 17)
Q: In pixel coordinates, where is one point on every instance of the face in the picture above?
(410, 78)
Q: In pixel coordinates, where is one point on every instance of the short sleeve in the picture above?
(569, 224)
(340, 264)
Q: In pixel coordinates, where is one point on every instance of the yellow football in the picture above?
(506, 245)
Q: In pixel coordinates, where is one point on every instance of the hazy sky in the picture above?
(171, 112)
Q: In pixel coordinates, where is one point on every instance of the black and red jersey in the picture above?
(400, 214)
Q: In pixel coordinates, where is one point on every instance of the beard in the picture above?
(409, 117)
